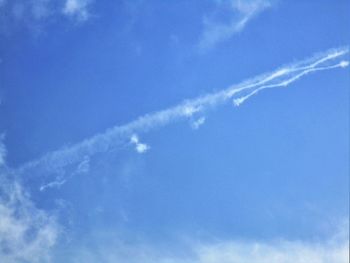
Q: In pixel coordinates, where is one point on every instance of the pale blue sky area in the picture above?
(127, 134)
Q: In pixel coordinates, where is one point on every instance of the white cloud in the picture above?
(57, 184)
(344, 64)
(35, 14)
(334, 249)
(27, 234)
(134, 139)
(241, 12)
(140, 147)
(197, 123)
(115, 136)
(273, 252)
(77, 9)
(189, 110)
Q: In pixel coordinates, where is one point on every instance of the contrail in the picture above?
(118, 135)
(285, 83)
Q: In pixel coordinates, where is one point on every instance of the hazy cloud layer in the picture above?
(333, 250)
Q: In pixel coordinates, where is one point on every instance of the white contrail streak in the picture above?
(117, 135)
(285, 83)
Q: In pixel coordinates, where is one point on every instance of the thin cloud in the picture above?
(77, 9)
(116, 136)
(55, 184)
(277, 252)
(84, 166)
(27, 234)
(240, 12)
(197, 123)
(334, 249)
(35, 14)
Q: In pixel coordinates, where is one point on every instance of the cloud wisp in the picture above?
(77, 9)
(285, 83)
(240, 13)
(118, 135)
(82, 168)
(27, 234)
(36, 14)
(197, 123)
(57, 183)
(334, 249)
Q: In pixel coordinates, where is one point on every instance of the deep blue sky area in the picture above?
(274, 168)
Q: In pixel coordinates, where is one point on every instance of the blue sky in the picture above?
(174, 131)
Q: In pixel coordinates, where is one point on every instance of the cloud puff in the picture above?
(140, 147)
(240, 13)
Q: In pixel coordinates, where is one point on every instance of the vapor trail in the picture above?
(285, 83)
(118, 135)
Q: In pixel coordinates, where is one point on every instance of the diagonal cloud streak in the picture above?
(286, 82)
(118, 135)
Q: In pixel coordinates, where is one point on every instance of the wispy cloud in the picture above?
(333, 249)
(57, 184)
(77, 9)
(27, 234)
(35, 14)
(238, 93)
(274, 252)
(240, 12)
(240, 100)
(197, 123)
(82, 168)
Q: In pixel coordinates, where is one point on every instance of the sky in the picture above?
(174, 131)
